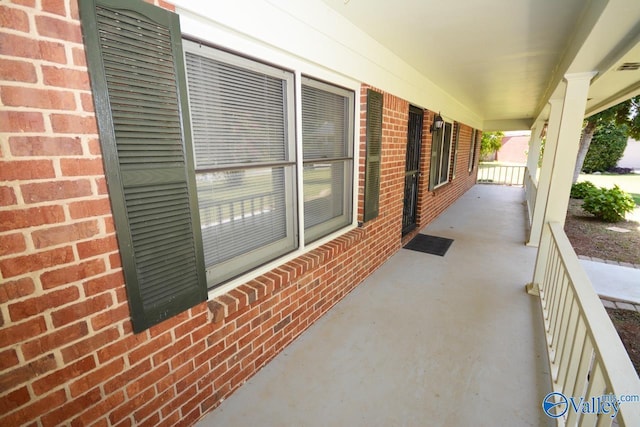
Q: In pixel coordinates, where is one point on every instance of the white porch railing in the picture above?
(586, 355)
(492, 173)
(531, 192)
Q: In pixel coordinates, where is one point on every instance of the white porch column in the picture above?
(558, 162)
(548, 159)
(534, 148)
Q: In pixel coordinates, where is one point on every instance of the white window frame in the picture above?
(194, 27)
(440, 155)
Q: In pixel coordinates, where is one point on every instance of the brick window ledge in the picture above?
(273, 281)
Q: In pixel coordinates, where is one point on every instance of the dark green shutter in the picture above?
(456, 140)
(135, 60)
(373, 155)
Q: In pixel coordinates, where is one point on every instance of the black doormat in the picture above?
(429, 244)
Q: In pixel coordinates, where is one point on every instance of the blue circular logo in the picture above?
(555, 404)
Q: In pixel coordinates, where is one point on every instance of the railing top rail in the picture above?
(619, 371)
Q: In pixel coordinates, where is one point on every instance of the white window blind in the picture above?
(327, 129)
(242, 125)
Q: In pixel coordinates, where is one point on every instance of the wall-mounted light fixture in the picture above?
(438, 121)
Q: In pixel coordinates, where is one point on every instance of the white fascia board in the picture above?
(311, 34)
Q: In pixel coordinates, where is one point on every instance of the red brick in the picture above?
(15, 96)
(111, 317)
(64, 77)
(26, 170)
(87, 104)
(89, 344)
(97, 247)
(34, 410)
(128, 376)
(54, 340)
(102, 186)
(129, 406)
(64, 233)
(80, 59)
(147, 350)
(147, 380)
(15, 377)
(17, 219)
(17, 71)
(21, 121)
(33, 306)
(45, 146)
(14, 400)
(103, 407)
(29, 3)
(24, 47)
(14, 18)
(57, 7)
(68, 123)
(27, 263)
(73, 407)
(21, 332)
(55, 190)
(8, 359)
(16, 289)
(85, 308)
(72, 273)
(58, 29)
(12, 244)
(61, 376)
(7, 196)
(81, 167)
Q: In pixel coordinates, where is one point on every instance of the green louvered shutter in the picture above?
(373, 155)
(135, 61)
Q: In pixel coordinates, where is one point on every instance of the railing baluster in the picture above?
(586, 356)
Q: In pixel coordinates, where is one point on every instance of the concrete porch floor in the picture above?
(425, 340)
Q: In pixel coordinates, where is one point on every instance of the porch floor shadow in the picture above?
(424, 341)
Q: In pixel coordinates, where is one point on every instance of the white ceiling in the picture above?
(504, 59)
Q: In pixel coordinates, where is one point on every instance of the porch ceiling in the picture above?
(504, 59)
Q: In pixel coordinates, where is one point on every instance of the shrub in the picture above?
(580, 190)
(607, 147)
(610, 205)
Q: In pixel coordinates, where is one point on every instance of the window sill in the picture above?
(237, 294)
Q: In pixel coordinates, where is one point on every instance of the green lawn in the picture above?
(629, 183)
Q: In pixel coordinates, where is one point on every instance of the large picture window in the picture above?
(242, 124)
(244, 135)
(327, 141)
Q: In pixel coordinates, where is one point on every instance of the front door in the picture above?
(412, 169)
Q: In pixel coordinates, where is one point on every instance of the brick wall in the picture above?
(67, 351)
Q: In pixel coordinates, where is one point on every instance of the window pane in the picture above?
(324, 124)
(323, 192)
(327, 123)
(446, 154)
(242, 211)
(238, 115)
(242, 117)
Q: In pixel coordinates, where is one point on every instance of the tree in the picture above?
(606, 148)
(625, 113)
(490, 143)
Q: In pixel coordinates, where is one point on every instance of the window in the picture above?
(440, 156)
(202, 162)
(327, 146)
(472, 150)
(242, 125)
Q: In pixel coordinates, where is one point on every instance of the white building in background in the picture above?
(631, 156)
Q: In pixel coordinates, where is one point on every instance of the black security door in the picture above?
(412, 169)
